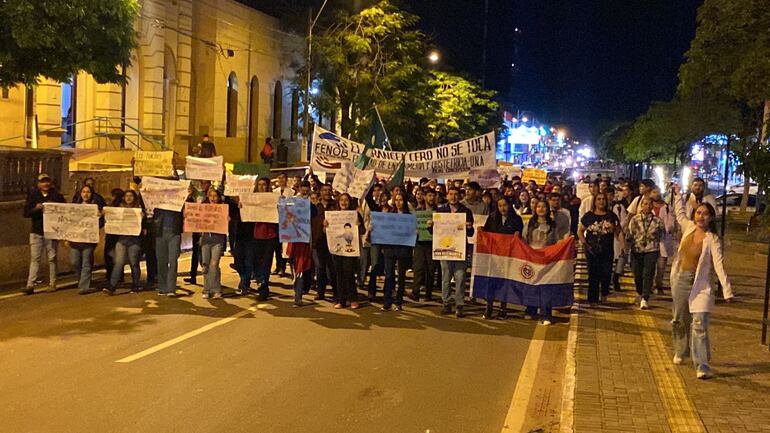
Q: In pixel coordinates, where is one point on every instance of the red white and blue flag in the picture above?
(506, 269)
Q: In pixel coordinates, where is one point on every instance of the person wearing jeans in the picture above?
(128, 250)
(82, 253)
(38, 243)
(422, 258)
(452, 268)
(212, 247)
(645, 230)
(700, 251)
(168, 242)
(266, 241)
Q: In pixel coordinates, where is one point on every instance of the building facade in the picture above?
(212, 67)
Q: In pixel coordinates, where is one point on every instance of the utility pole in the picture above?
(306, 100)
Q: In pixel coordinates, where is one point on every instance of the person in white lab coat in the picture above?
(699, 252)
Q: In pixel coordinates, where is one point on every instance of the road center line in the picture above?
(517, 413)
(186, 336)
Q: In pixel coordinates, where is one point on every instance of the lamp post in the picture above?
(306, 102)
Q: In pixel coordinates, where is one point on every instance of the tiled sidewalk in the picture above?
(626, 382)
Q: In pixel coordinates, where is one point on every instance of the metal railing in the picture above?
(116, 130)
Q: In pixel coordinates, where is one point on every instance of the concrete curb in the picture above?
(567, 420)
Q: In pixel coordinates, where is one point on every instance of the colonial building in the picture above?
(212, 67)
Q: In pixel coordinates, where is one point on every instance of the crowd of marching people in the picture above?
(618, 222)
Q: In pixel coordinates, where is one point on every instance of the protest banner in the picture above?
(453, 160)
(449, 236)
(235, 184)
(536, 174)
(423, 216)
(124, 221)
(71, 222)
(204, 168)
(164, 194)
(393, 229)
(509, 171)
(294, 219)
(252, 169)
(478, 222)
(343, 177)
(205, 218)
(342, 233)
(259, 207)
(150, 163)
(362, 181)
(583, 190)
(487, 178)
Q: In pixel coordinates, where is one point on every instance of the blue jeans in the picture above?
(38, 244)
(81, 257)
(211, 253)
(457, 270)
(127, 252)
(167, 248)
(689, 330)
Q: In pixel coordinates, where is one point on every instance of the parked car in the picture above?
(738, 188)
(733, 201)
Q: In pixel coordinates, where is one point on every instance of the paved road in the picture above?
(194, 365)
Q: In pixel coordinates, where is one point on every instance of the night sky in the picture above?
(578, 63)
(582, 63)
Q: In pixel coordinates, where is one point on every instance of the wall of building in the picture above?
(177, 86)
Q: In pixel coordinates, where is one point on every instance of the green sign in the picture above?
(260, 170)
(423, 216)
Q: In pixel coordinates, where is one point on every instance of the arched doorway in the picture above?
(253, 146)
(232, 105)
(277, 111)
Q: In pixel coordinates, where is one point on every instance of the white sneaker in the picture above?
(677, 360)
(703, 374)
(643, 305)
(546, 322)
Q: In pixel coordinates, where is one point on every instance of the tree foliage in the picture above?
(59, 38)
(376, 57)
(463, 108)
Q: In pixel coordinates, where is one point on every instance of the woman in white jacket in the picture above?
(699, 252)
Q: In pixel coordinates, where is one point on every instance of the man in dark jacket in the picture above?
(454, 268)
(33, 209)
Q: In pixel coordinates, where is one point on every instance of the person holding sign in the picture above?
(266, 236)
(82, 254)
(503, 220)
(396, 255)
(454, 268)
(33, 209)
(345, 265)
(128, 250)
(422, 258)
(212, 247)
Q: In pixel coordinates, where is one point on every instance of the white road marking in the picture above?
(514, 421)
(186, 336)
(567, 419)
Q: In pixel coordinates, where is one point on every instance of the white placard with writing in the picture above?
(204, 168)
(259, 207)
(71, 222)
(125, 221)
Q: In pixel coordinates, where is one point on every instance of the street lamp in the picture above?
(434, 57)
(306, 114)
